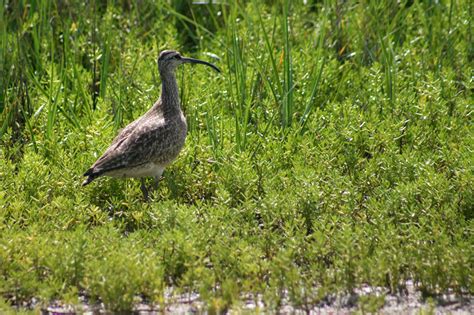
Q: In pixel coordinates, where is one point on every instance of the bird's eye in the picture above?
(177, 56)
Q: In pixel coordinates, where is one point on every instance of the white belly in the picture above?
(144, 170)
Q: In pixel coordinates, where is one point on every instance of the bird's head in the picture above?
(170, 59)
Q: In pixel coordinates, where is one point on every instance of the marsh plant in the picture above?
(334, 150)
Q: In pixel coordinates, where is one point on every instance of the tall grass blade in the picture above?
(238, 84)
(104, 69)
(52, 95)
(277, 92)
(389, 65)
(287, 105)
(3, 56)
(316, 79)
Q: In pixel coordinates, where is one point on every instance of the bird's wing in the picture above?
(126, 131)
(133, 147)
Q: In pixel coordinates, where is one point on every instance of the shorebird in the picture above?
(149, 144)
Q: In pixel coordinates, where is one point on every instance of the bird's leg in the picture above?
(143, 189)
(156, 182)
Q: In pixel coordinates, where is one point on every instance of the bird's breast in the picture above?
(171, 140)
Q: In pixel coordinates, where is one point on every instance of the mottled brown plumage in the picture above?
(147, 145)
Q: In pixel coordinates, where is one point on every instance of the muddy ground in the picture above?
(410, 301)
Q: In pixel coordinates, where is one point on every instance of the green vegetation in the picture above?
(335, 150)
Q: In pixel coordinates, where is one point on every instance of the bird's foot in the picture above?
(146, 191)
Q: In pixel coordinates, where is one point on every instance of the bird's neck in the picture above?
(169, 93)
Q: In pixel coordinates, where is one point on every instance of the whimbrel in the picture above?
(149, 144)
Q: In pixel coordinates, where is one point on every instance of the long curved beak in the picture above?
(192, 60)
